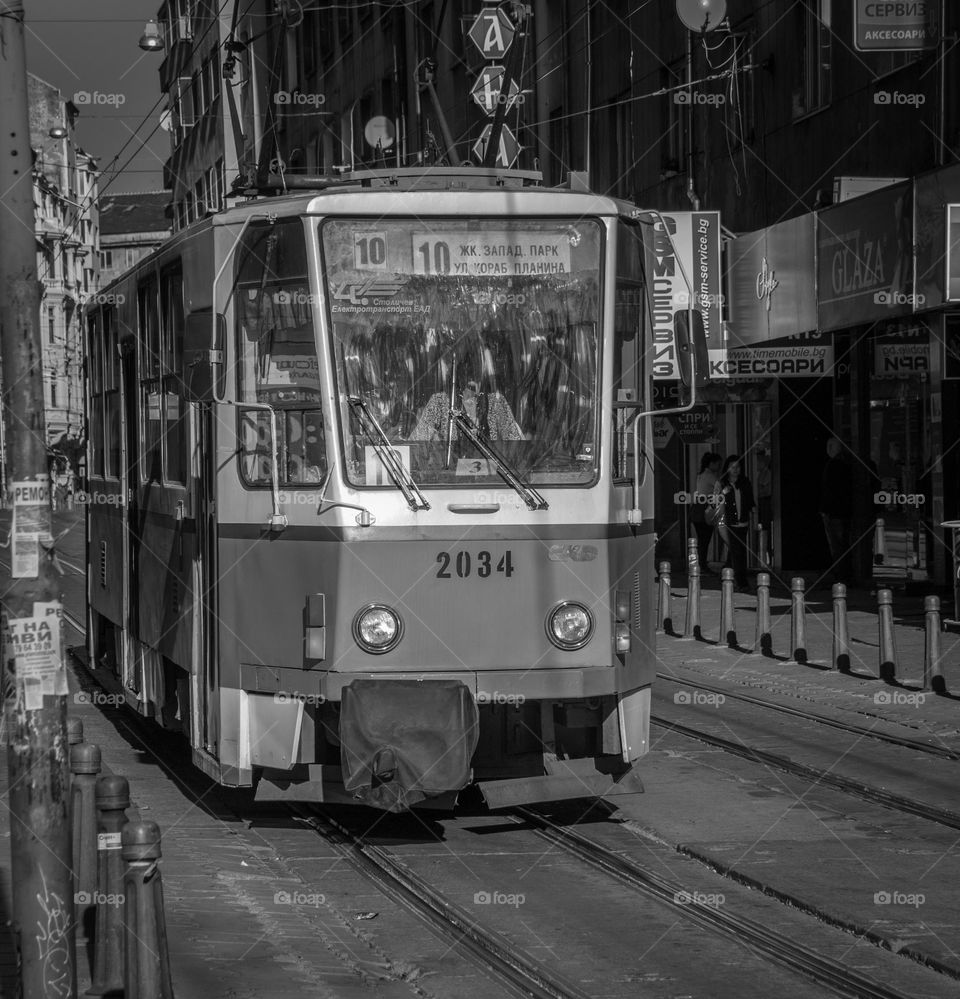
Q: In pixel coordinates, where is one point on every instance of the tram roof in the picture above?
(389, 191)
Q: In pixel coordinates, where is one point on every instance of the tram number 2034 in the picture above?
(463, 564)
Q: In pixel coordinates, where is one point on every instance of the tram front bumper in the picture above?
(405, 740)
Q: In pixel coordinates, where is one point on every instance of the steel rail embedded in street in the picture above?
(893, 740)
(775, 946)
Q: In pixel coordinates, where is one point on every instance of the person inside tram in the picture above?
(489, 412)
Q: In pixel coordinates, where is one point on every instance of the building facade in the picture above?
(67, 230)
(131, 226)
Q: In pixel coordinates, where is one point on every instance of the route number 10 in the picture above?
(370, 250)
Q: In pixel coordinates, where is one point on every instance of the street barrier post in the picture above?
(888, 640)
(841, 633)
(146, 960)
(879, 542)
(84, 766)
(764, 639)
(798, 623)
(932, 669)
(664, 621)
(691, 625)
(728, 627)
(113, 798)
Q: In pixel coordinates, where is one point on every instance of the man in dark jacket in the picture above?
(836, 509)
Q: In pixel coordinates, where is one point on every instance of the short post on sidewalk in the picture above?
(664, 621)
(146, 960)
(888, 640)
(691, 624)
(764, 639)
(932, 669)
(798, 621)
(85, 767)
(728, 627)
(841, 633)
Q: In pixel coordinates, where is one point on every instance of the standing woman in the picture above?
(737, 497)
(703, 511)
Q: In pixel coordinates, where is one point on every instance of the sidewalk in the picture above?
(903, 702)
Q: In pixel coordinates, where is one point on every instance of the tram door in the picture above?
(131, 519)
(206, 677)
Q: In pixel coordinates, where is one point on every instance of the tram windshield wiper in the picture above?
(528, 494)
(388, 457)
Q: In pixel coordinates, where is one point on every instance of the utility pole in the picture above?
(34, 674)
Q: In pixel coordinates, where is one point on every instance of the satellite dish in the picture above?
(380, 131)
(702, 15)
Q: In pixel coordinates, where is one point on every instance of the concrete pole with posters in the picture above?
(34, 681)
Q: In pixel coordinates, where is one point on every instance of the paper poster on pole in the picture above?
(37, 653)
(31, 500)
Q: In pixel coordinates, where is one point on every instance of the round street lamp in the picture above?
(151, 39)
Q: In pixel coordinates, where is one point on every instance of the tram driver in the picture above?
(489, 412)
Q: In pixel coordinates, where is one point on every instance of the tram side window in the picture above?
(627, 347)
(150, 408)
(111, 395)
(277, 352)
(95, 429)
(174, 410)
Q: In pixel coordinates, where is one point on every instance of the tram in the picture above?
(370, 490)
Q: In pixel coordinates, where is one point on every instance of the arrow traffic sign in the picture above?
(488, 87)
(508, 151)
(492, 33)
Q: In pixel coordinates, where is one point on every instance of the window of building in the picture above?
(106, 258)
(674, 143)
(53, 391)
(51, 324)
(813, 90)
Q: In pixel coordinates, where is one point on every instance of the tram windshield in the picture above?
(495, 320)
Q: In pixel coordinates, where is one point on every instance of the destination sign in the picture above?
(489, 253)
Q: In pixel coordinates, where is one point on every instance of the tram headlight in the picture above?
(377, 628)
(569, 625)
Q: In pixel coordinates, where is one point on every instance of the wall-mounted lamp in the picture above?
(57, 132)
(151, 40)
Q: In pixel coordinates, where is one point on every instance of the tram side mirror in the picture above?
(203, 356)
(691, 346)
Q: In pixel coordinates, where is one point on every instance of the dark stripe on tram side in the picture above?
(488, 532)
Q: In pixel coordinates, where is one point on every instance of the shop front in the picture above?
(770, 377)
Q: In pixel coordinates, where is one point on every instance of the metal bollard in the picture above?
(146, 961)
(798, 621)
(113, 797)
(728, 628)
(84, 766)
(691, 626)
(74, 731)
(841, 633)
(932, 671)
(888, 640)
(879, 542)
(693, 553)
(664, 621)
(764, 640)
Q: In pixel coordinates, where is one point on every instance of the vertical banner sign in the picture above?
(903, 25)
(696, 240)
(30, 499)
(39, 668)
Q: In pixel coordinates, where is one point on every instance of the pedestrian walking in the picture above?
(836, 510)
(703, 510)
(736, 496)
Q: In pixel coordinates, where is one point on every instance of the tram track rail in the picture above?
(894, 740)
(775, 946)
(514, 969)
(816, 775)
